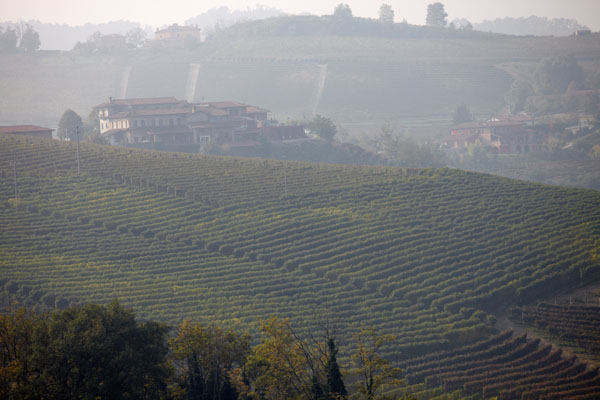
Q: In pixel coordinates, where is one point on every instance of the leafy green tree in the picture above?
(374, 374)
(17, 335)
(102, 352)
(30, 39)
(553, 75)
(323, 127)
(69, 122)
(436, 15)
(83, 352)
(211, 359)
(462, 114)
(386, 14)
(517, 94)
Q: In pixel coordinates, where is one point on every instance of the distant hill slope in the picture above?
(424, 254)
(532, 25)
(350, 77)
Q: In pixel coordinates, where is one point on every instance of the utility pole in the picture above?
(77, 133)
(14, 164)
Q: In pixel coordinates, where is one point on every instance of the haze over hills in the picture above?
(372, 77)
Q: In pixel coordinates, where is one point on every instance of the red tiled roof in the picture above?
(23, 129)
(141, 101)
(256, 110)
(150, 113)
(225, 104)
(209, 110)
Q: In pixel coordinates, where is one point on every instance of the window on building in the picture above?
(134, 123)
(160, 122)
(170, 121)
(143, 122)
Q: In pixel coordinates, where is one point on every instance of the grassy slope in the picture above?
(411, 252)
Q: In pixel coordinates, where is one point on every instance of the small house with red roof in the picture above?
(502, 136)
(27, 130)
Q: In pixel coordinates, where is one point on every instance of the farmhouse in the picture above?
(502, 136)
(167, 120)
(177, 32)
(27, 130)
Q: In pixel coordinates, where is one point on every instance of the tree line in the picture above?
(19, 38)
(96, 351)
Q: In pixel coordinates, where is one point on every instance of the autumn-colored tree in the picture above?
(210, 361)
(374, 374)
(278, 365)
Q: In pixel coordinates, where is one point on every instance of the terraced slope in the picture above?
(507, 367)
(575, 325)
(423, 254)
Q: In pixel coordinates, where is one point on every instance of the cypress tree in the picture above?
(335, 383)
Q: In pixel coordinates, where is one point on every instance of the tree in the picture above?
(68, 125)
(554, 75)
(278, 365)
(17, 331)
(342, 10)
(8, 40)
(462, 114)
(374, 374)
(386, 14)
(517, 94)
(436, 15)
(211, 359)
(135, 37)
(335, 384)
(323, 127)
(30, 39)
(87, 352)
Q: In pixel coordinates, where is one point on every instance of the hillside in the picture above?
(232, 239)
(350, 76)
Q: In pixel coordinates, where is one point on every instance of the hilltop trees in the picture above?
(342, 10)
(8, 39)
(436, 15)
(30, 39)
(386, 14)
(22, 38)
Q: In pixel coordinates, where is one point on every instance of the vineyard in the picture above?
(504, 366)
(427, 255)
(574, 325)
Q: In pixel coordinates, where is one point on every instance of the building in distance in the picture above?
(27, 130)
(177, 32)
(165, 122)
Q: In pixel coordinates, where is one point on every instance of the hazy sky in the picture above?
(160, 12)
